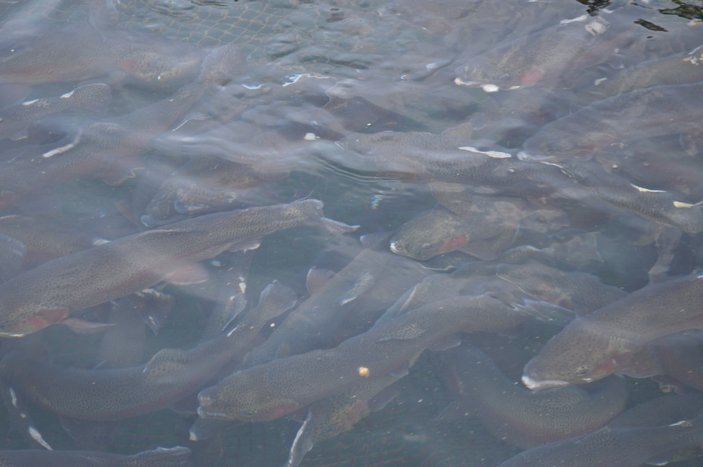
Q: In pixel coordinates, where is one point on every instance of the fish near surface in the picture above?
(639, 114)
(348, 303)
(16, 119)
(603, 342)
(43, 240)
(339, 413)
(119, 393)
(541, 57)
(430, 234)
(160, 457)
(621, 446)
(522, 417)
(50, 292)
(618, 193)
(283, 386)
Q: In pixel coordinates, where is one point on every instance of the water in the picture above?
(558, 135)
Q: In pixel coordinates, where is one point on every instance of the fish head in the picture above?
(237, 398)
(429, 235)
(27, 321)
(580, 354)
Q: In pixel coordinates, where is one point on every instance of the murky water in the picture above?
(330, 233)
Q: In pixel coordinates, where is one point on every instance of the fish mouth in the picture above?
(544, 384)
(394, 248)
(203, 412)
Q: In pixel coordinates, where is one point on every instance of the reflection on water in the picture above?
(351, 233)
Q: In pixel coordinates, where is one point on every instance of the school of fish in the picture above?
(327, 233)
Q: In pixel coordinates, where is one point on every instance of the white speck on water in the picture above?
(30, 102)
(490, 88)
(493, 154)
(578, 19)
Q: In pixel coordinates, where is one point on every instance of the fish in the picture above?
(348, 303)
(120, 393)
(540, 58)
(604, 342)
(680, 68)
(106, 150)
(47, 57)
(661, 206)
(621, 446)
(286, 385)
(339, 413)
(481, 226)
(43, 240)
(526, 418)
(205, 184)
(16, 119)
(621, 119)
(58, 288)
(577, 291)
(158, 457)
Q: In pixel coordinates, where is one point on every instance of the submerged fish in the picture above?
(626, 447)
(159, 457)
(49, 293)
(347, 303)
(604, 342)
(541, 57)
(16, 119)
(643, 113)
(274, 389)
(523, 417)
(339, 413)
(169, 376)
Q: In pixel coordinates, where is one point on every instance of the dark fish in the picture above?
(204, 184)
(523, 417)
(604, 342)
(643, 113)
(577, 291)
(677, 358)
(346, 304)
(614, 446)
(159, 457)
(15, 120)
(43, 241)
(339, 413)
(660, 206)
(169, 376)
(661, 410)
(51, 292)
(480, 226)
(274, 389)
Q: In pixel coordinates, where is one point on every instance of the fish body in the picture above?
(522, 417)
(159, 457)
(349, 302)
(613, 446)
(279, 387)
(540, 57)
(16, 119)
(119, 393)
(603, 342)
(57, 288)
(642, 113)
